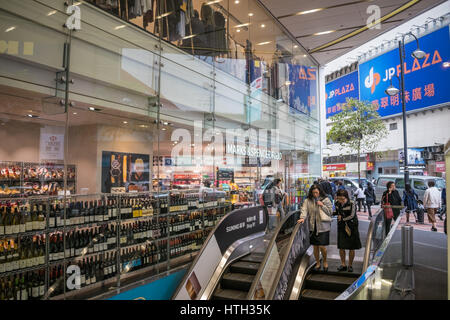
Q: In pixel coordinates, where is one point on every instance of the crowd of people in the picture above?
(327, 199)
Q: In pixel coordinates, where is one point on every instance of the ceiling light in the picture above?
(304, 56)
(250, 14)
(163, 129)
(120, 27)
(10, 29)
(296, 46)
(309, 11)
(242, 25)
(236, 1)
(143, 126)
(165, 123)
(263, 43)
(125, 122)
(51, 13)
(263, 25)
(238, 30)
(74, 113)
(212, 2)
(323, 32)
(94, 109)
(32, 116)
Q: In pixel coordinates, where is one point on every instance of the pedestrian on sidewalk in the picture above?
(348, 233)
(318, 209)
(391, 197)
(360, 197)
(432, 201)
(371, 198)
(279, 198)
(410, 198)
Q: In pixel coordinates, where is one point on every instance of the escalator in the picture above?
(238, 278)
(320, 285)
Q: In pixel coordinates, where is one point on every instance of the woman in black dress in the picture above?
(348, 234)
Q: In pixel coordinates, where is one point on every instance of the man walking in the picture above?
(431, 202)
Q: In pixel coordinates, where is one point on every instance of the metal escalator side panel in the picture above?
(236, 251)
(257, 290)
(236, 225)
(300, 275)
(297, 247)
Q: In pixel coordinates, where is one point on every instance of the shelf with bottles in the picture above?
(28, 285)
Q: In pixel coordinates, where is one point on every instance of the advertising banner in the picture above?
(440, 166)
(302, 89)
(334, 167)
(415, 156)
(426, 80)
(125, 171)
(337, 91)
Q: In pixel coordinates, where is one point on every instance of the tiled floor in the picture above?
(425, 227)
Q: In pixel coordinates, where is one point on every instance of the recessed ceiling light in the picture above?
(250, 14)
(10, 29)
(304, 56)
(236, 1)
(143, 126)
(309, 11)
(125, 122)
(74, 113)
(296, 46)
(242, 25)
(165, 123)
(94, 109)
(238, 30)
(163, 129)
(32, 116)
(263, 25)
(263, 43)
(212, 2)
(120, 27)
(51, 13)
(323, 32)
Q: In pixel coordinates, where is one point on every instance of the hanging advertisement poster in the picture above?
(426, 80)
(125, 172)
(302, 90)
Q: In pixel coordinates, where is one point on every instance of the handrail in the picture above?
(281, 269)
(252, 290)
(368, 247)
(368, 274)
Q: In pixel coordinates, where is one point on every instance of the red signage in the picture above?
(369, 165)
(334, 167)
(440, 166)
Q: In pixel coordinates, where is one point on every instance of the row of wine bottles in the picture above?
(25, 286)
(30, 252)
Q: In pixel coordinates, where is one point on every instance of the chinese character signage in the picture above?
(426, 80)
(337, 91)
(303, 89)
(440, 166)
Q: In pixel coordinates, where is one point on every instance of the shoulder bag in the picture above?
(323, 216)
(388, 213)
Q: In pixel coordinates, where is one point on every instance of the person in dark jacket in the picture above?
(326, 187)
(371, 198)
(348, 233)
(392, 197)
(410, 198)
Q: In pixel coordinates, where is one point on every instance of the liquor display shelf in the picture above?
(129, 239)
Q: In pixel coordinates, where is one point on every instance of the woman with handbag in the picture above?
(390, 197)
(348, 233)
(318, 209)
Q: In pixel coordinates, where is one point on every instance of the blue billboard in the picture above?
(426, 80)
(302, 89)
(337, 91)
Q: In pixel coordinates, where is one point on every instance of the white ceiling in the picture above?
(350, 15)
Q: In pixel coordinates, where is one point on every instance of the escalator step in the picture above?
(328, 282)
(253, 257)
(311, 294)
(227, 294)
(237, 281)
(245, 267)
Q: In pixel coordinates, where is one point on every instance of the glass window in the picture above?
(420, 184)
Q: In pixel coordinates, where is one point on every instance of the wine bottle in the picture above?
(2, 258)
(22, 227)
(41, 216)
(23, 289)
(8, 221)
(16, 221)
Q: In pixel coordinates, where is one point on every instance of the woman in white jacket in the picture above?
(431, 202)
(318, 209)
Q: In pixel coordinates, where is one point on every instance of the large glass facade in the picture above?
(109, 106)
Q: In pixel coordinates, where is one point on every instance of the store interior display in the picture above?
(30, 179)
(105, 235)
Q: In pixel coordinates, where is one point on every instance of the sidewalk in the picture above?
(425, 227)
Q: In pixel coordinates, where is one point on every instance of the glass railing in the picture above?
(273, 258)
(376, 282)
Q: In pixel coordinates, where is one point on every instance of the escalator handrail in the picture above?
(368, 247)
(252, 290)
(356, 286)
(205, 243)
(280, 270)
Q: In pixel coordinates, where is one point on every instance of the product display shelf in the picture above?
(162, 244)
